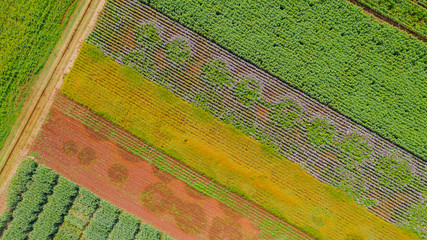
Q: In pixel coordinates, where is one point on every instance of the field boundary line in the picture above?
(383, 18)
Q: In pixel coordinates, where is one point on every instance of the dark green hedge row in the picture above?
(33, 200)
(102, 222)
(17, 187)
(369, 71)
(125, 228)
(54, 211)
(405, 12)
(77, 218)
(147, 232)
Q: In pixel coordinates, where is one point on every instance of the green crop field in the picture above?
(28, 33)
(406, 12)
(43, 205)
(214, 119)
(369, 71)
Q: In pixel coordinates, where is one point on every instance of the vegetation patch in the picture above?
(52, 207)
(70, 147)
(324, 142)
(118, 173)
(30, 30)
(245, 170)
(87, 156)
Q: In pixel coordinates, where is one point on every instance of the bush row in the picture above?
(78, 216)
(102, 222)
(53, 212)
(33, 200)
(125, 228)
(18, 185)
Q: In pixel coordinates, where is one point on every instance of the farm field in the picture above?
(369, 71)
(29, 31)
(92, 152)
(388, 180)
(225, 120)
(411, 14)
(216, 150)
(43, 205)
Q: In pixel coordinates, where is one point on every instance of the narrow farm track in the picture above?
(386, 19)
(50, 80)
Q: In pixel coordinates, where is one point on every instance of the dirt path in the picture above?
(49, 82)
(386, 19)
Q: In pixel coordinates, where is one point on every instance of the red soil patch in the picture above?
(195, 194)
(86, 156)
(127, 156)
(134, 185)
(95, 135)
(162, 175)
(225, 229)
(70, 148)
(118, 173)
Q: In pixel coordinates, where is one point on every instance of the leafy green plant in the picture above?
(53, 212)
(125, 228)
(319, 132)
(33, 200)
(147, 35)
(178, 52)
(139, 61)
(330, 50)
(394, 173)
(354, 148)
(216, 74)
(247, 91)
(148, 232)
(103, 221)
(286, 114)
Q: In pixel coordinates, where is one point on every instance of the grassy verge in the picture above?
(219, 151)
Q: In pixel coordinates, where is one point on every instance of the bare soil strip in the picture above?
(383, 18)
(88, 157)
(49, 82)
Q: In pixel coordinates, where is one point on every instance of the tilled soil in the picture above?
(133, 184)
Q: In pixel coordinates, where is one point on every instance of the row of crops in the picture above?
(215, 149)
(331, 50)
(43, 205)
(270, 226)
(325, 143)
(411, 14)
(28, 33)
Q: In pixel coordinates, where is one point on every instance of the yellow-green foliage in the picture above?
(219, 151)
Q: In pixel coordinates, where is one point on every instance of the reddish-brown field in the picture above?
(130, 182)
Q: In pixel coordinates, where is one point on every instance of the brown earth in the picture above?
(272, 227)
(49, 81)
(135, 185)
